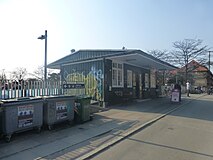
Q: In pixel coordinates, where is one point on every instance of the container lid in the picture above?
(84, 97)
(21, 100)
(58, 97)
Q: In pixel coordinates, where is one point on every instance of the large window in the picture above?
(117, 74)
(129, 79)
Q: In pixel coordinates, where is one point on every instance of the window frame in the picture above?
(116, 67)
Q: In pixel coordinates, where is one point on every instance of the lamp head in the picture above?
(42, 37)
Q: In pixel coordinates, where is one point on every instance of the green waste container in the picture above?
(19, 115)
(1, 111)
(82, 109)
(58, 109)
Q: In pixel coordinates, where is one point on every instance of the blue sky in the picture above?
(97, 24)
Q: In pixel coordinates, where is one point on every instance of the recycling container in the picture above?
(82, 109)
(58, 109)
(20, 115)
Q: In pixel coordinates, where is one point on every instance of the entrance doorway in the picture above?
(140, 87)
(136, 86)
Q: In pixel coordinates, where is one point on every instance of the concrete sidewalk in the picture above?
(66, 140)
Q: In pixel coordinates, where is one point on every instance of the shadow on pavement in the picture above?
(200, 107)
(79, 133)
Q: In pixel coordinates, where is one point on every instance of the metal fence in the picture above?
(10, 90)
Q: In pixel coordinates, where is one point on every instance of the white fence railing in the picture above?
(10, 90)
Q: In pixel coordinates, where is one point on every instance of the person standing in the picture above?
(187, 88)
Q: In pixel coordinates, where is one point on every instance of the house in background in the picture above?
(110, 76)
(198, 75)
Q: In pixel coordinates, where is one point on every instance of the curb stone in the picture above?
(131, 131)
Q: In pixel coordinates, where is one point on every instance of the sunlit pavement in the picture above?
(67, 142)
(185, 133)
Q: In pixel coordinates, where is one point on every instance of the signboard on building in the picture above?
(73, 86)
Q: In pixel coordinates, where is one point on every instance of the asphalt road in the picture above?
(186, 134)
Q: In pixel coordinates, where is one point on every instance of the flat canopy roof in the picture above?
(132, 57)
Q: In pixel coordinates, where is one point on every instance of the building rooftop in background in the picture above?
(194, 66)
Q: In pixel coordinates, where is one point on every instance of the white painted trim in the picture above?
(137, 66)
(141, 56)
(112, 57)
(92, 60)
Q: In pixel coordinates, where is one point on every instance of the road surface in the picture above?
(184, 134)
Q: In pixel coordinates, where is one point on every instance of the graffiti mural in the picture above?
(96, 88)
(93, 82)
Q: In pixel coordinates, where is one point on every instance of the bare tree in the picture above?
(188, 50)
(19, 74)
(163, 55)
(158, 53)
(3, 77)
(54, 77)
(38, 73)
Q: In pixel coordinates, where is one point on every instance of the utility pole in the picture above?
(45, 59)
(209, 60)
(209, 84)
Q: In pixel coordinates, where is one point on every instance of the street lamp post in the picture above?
(209, 60)
(209, 63)
(45, 57)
